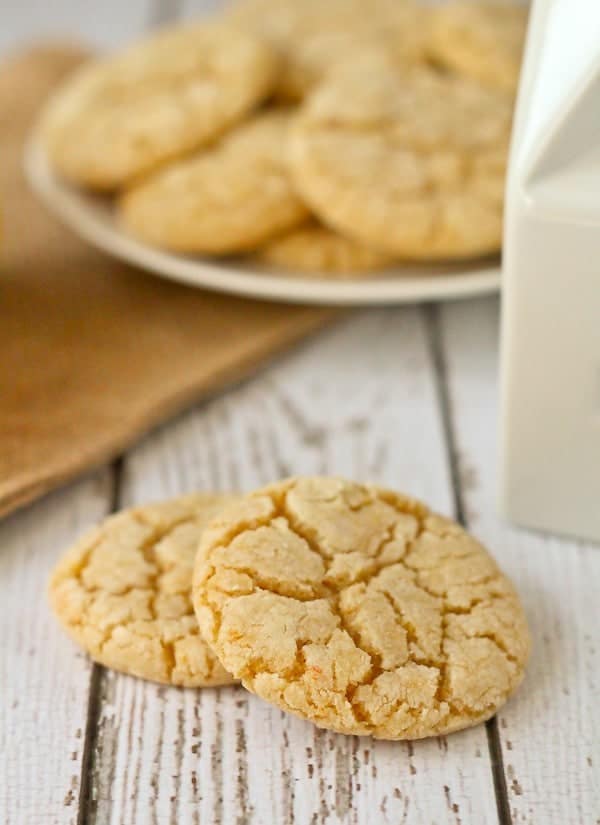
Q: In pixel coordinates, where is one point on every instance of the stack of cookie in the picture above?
(349, 605)
(316, 136)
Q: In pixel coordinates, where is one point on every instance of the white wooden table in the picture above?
(406, 397)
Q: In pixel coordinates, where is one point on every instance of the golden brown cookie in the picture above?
(313, 36)
(315, 250)
(123, 592)
(480, 39)
(227, 199)
(117, 118)
(357, 608)
(411, 163)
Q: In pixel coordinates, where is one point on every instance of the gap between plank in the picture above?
(495, 750)
(432, 325)
(89, 744)
(86, 786)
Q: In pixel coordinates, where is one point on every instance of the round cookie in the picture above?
(413, 164)
(482, 40)
(227, 199)
(358, 609)
(123, 592)
(315, 250)
(313, 36)
(117, 118)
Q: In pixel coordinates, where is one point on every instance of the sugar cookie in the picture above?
(227, 199)
(356, 608)
(410, 163)
(123, 592)
(316, 250)
(482, 40)
(313, 36)
(117, 118)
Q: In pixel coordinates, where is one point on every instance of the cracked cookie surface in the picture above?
(123, 592)
(312, 37)
(316, 250)
(482, 40)
(357, 608)
(412, 163)
(120, 117)
(227, 199)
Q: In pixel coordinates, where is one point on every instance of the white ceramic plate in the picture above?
(92, 218)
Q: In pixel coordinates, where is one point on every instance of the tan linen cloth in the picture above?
(92, 352)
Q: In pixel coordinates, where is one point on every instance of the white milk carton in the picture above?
(550, 353)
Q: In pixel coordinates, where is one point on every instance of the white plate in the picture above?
(92, 218)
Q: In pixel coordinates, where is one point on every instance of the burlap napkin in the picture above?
(93, 353)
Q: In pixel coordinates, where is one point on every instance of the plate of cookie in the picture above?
(315, 154)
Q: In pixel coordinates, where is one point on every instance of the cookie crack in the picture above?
(446, 610)
(271, 585)
(333, 600)
(148, 550)
(441, 702)
(376, 669)
(367, 576)
(411, 636)
(167, 648)
(152, 588)
(440, 665)
(497, 641)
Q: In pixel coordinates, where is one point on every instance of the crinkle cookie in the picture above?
(313, 36)
(482, 40)
(357, 608)
(227, 199)
(123, 592)
(411, 163)
(316, 250)
(117, 118)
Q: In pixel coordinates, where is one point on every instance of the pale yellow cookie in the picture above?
(482, 40)
(357, 608)
(120, 117)
(313, 36)
(317, 251)
(229, 198)
(123, 592)
(412, 163)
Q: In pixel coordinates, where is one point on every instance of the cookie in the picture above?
(227, 199)
(123, 592)
(316, 250)
(411, 163)
(482, 40)
(313, 36)
(120, 117)
(357, 608)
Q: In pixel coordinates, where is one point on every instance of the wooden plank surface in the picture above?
(44, 678)
(550, 732)
(358, 400)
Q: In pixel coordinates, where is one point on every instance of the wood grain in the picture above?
(44, 678)
(550, 732)
(359, 400)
